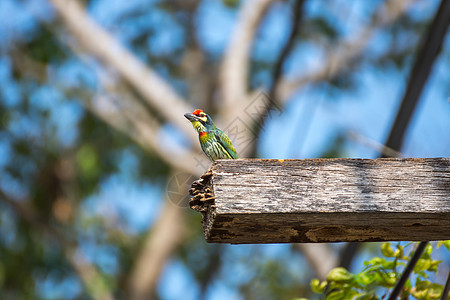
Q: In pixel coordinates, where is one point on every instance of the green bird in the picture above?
(213, 141)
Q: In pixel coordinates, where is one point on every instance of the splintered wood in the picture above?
(324, 200)
(201, 193)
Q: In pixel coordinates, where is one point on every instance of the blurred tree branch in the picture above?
(127, 114)
(159, 244)
(167, 233)
(116, 106)
(103, 45)
(320, 257)
(199, 74)
(384, 150)
(288, 47)
(427, 54)
(347, 51)
(343, 54)
(278, 68)
(234, 71)
(132, 118)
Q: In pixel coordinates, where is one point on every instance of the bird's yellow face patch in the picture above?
(203, 118)
(198, 119)
(198, 126)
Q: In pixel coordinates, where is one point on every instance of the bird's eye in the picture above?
(202, 115)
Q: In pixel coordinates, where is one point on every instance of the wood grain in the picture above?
(324, 200)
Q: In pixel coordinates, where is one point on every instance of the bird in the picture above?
(214, 142)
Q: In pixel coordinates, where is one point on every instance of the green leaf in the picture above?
(386, 279)
(427, 252)
(389, 265)
(341, 294)
(399, 252)
(366, 296)
(365, 278)
(231, 3)
(434, 265)
(425, 289)
(340, 275)
(317, 286)
(387, 250)
(422, 265)
(445, 243)
(380, 272)
(88, 162)
(375, 261)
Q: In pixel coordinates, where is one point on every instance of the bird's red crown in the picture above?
(197, 112)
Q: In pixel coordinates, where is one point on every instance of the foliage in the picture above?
(381, 274)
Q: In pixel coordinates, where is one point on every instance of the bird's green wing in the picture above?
(223, 139)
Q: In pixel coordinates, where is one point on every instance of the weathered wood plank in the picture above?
(324, 200)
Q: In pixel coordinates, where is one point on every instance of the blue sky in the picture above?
(368, 112)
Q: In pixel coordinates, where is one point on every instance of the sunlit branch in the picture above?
(234, 71)
(119, 108)
(343, 54)
(159, 244)
(166, 234)
(278, 67)
(156, 91)
(431, 46)
(338, 58)
(320, 257)
(379, 147)
(288, 47)
(132, 118)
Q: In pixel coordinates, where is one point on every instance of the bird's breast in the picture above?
(203, 137)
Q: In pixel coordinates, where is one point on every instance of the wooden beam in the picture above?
(324, 200)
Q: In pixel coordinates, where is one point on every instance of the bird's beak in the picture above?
(191, 117)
